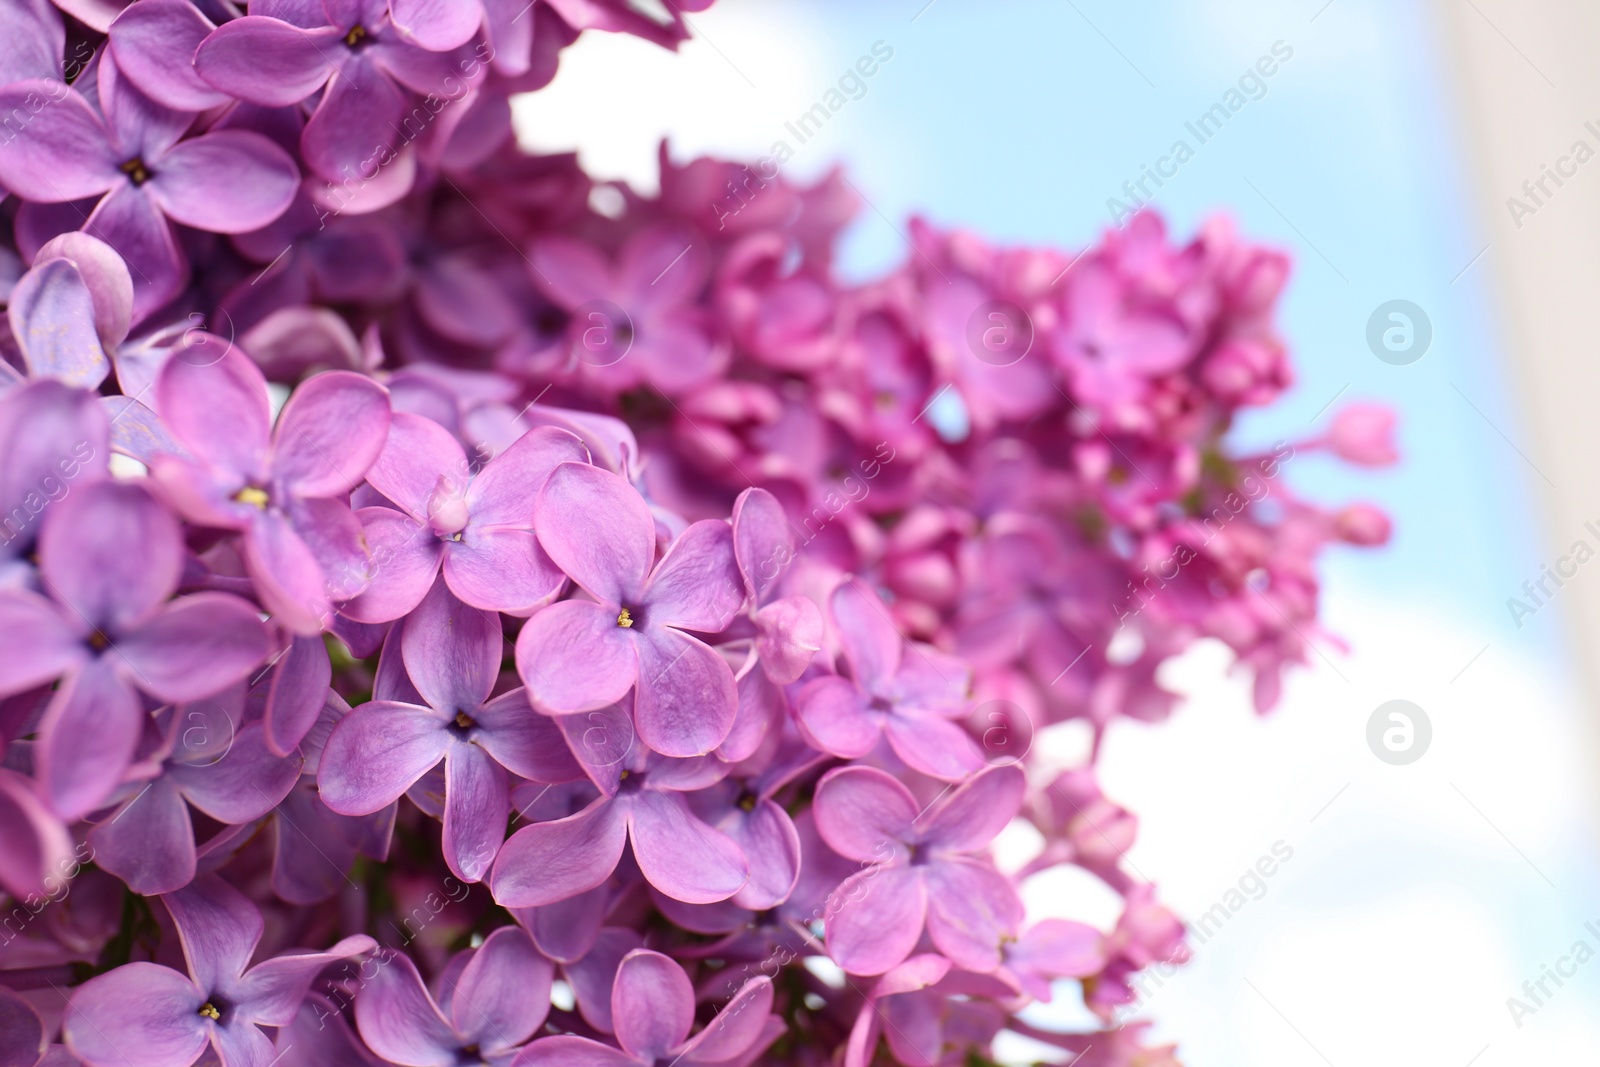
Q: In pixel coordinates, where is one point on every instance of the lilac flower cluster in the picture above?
(454, 612)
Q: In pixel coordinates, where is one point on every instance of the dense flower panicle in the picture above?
(458, 612)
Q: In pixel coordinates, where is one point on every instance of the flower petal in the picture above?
(349, 133)
(128, 220)
(399, 1020)
(971, 908)
(436, 25)
(696, 586)
(52, 319)
(50, 435)
(503, 492)
(330, 432)
(771, 845)
(149, 841)
(864, 814)
(763, 541)
(154, 45)
(548, 862)
(832, 714)
(61, 150)
(566, 1050)
(652, 1004)
(502, 569)
(477, 800)
(871, 643)
(271, 991)
(194, 646)
(875, 918)
(376, 753)
(36, 849)
(299, 692)
(219, 928)
(686, 700)
(789, 632)
(418, 457)
(682, 856)
(39, 646)
(87, 739)
(597, 529)
(227, 181)
(969, 818)
(735, 1029)
(217, 407)
(936, 747)
(266, 61)
(139, 1015)
(112, 554)
(573, 657)
(244, 784)
(405, 560)
(287, 576)
(503, 995)
(452, 651)
(523, 741)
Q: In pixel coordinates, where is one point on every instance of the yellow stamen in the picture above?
(357, 34)
(252, 495)
(625, 619)
(210, 1011)
(464, 720)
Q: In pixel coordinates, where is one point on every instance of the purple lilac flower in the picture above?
(492, 999)
(652, 1004)
(36, 845)
(642, 801)
(130, 152)
(205, 757)
(54, 440)
(365, 65)
(283, 487)
(658, 338)
(477, 528)
(452, 654)
(147, 1015)
(313, 845)
(110, 556)
(926, 868)
(903, 692)
(789, 629)
(72, 308)
(584, 654)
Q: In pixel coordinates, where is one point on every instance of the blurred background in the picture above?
(1388, 152)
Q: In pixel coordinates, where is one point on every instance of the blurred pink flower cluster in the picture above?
(459, 612)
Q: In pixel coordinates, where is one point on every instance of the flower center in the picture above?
(747, 802)
(625, 619)
(919, 855)
(209, 1010)
(356, 37)
(136, 171)
(252, 495)
(99, 641)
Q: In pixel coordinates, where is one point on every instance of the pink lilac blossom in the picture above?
(445, 623)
